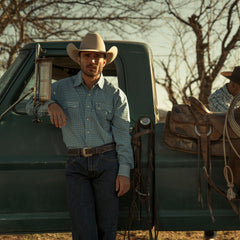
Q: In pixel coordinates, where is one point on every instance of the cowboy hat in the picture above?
(234, 75)
(92, 42)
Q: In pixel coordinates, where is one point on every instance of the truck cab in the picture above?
(33, 155)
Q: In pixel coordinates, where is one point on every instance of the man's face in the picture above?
(237, 89)
(92, 63)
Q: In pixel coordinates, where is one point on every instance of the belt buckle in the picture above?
(86, 154)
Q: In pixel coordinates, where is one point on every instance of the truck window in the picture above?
(7, 76)
(63, 67)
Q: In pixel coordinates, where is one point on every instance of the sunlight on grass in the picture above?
(134, 235)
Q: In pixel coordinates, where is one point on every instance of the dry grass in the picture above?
(135, 235)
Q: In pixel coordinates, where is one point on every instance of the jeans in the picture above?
(92, 198)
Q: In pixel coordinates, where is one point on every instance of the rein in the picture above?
(142, 180)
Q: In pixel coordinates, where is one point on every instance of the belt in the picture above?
(88, 152)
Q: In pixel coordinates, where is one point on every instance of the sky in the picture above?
(159, 44)
(159, 47)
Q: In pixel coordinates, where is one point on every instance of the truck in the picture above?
(164, 182)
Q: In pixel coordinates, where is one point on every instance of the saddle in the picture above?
(186, 123)
(193, 128)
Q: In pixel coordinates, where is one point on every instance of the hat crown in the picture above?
(234, 75)
(236, 72)
(93, 41)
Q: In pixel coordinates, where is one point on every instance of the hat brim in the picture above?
(227, 74)
(231, 77)
(73, 52)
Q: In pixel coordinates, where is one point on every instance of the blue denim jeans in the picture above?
(92, 199)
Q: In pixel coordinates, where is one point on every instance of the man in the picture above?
(94, 118)
(220, 100)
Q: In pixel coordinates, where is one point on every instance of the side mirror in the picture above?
(43, 77)
(42, 89)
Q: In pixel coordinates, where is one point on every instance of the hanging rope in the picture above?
(230, 118)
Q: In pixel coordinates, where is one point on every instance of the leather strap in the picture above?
(88, 152)
(141, 183)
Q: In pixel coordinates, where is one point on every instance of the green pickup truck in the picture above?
(32, 154)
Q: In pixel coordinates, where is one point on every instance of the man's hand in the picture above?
(122, 185)
(57, 116)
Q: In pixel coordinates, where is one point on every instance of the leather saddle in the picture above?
(194, 128)
(186, 123)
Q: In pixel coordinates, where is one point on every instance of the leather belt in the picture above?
(88, 152)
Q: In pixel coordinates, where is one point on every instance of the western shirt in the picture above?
(220, 100)
(94, 117)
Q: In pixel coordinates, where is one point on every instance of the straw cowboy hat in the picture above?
(92, 42)
(234, 75)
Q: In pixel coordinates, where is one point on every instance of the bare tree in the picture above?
(202, 35)
(23, 21)
(213, 27)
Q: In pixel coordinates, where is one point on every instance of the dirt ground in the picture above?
(134, 235)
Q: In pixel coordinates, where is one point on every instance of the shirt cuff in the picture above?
(45, 105)
(124, 170)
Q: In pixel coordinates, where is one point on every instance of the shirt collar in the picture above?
(101, 81)
(78, 80)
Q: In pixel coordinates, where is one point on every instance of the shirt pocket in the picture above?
(104, 111)
(71, 108)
